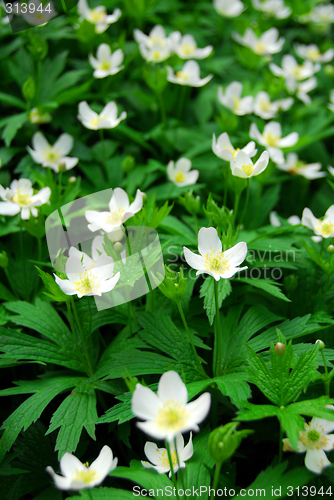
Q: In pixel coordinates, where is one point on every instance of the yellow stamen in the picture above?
(259, 48)
(313, 54)
(105, 66)
(326, 228)
(94, 122)
(156, 55)
(179, 177)
(265, 105)
(21, 198)
(215, 261)
(86, 476)
(116, 216)
(248, 169)
(163, 458)
(88, 283)
(271, 139)
(236, 103)
(96, 16)
(233, 152)
(181, 76)
(187, 49)
(172, 416)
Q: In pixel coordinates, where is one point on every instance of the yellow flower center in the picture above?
(179, 177)
(312, 438)
(52, 155)
(21, 198)
(181, 76)
(116, 216)
(271, 139)
(157, 39)
(96, 16)
(163, 457)
(187, 49)
(94, 122)
(259, 48)
(172, 416)
(248, 169)
(233, 152)
(297, 71)
(313, 54)
(89, 283)
(236, 103)
(326, 228)
(216, 262)
(105, 66)
(86, 475)
(156, 55)
(265, 105)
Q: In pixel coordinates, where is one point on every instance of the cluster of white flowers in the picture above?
(268, 43)
(106, 63)
(20, 198)
(98, 16)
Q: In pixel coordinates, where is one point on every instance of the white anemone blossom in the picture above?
(106, 119)
(40, 15)
(228, 8)
(243, 166)
(53, 156)
(98, 16)
(159, 457)
(179, 173)
(293, 72)
(222, 147)
(186, 47)
(106, 63)
(232, 99)
(294, 220)
(321, 227)
(77, 476)
(155, 47)
(87, 277)
(189, 75)
(167, 413)
(313, 53)
(322, 15)
(20, 197)
(267, 109)
(120, 210)
(304, 88)
(315, 440)
(272, 139)
(268, 43)
(274, 8)
(295, 166)
(212, 260)
(330, 105)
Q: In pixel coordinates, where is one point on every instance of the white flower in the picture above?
(324, 227)
(180, 173)
(159, 456)
(87, 277)
(168, 413)
(224, 149)
(268, 43)
(275, 8)
(98, 16)
(243, 166)
(330, 105)
(20, 197)
(37, 116)
(40, 14)
(313, 53)
(53, 156)
(106, 119)
(294, 220)
(294, 72)
(106, 63)
(305, 87)
(76, 476)
(322, 15)
(266, 109)
(331, 170)
(233, 100)
(186, 47)
(272, 139)
(120, 210)
(212, 260)
(155, 47)
(228, 8)
(315, 440)
(189, 75)
(295, 166)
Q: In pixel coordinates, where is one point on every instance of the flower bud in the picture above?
(118, 247)
(191, 203)
(29, 89)
(72, 179)
(37, 116)
(321, 344)
(224, 441)
(174, 285)
(128, 163)
(330, 248)
(329, 70)
(3, 259)
(62, 167)
(279, 349)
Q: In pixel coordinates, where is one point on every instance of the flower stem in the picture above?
(162, 109)
(236, 206)
(23, 262)
(183, 91)
(70, 318)
(217, 352)
(226, 184)
(185, 324)
(280, 447)
(246, 204)
(60, 186)
(82, 338)
(326, 381)
(215, 480)
(196, 223)
(171, 467)
(103, 148)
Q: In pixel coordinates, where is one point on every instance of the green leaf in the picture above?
(146, 478)
(292, 423)
(235, 386)
(6, 294)
(174, 226)
(208, 292)
(76, 412)
(250, 412)
(316, 257)
(56, 292)
(269, 286)
(103, 494)
(14, 123)
(12, 100)
(260, 375)
(29, 411)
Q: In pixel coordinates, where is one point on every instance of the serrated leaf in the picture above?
(292, 423)
(250, 412)
(269, 286)
(147, 478)
(208, 292)
(55, 292)
(235, 386)
(14, 123)
(260, 375)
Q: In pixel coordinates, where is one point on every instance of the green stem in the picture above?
(196, 222)
(326, 381)
(227, 175)
(171, 467)
(185, 324)
(162, 109)
(217, 354)
(82, 338)
(322, 245)
(23, 262)
(11, 283)
(215, 480)
(39, 252)
(246, 204)
(280, 447)
(70, 318)
(60, 186)
(236, 206)
(103, 148)
(183, 91)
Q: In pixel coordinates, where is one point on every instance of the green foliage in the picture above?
(208, 292)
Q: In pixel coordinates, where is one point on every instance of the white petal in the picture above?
(39, 142)
(208, 240)
(316, 460)
(199, 408)
(104, 463)
(9, 208)
(64, 144)
(62, 483)
(69, 465)
(309, 220)
(188, 451)
(145, 403)
(289, 140)
(137, 204)
(183, 165)
(172, 387)
(66, 286)
(25, 213)
(193, 260)
(85, 112)
(110, 110)
(152, 453)
(237, 254)
(73, 268)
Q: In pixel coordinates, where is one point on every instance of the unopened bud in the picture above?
(330, 248)
(128, 163)
(62, 167)
(72, 179)
(3, 259)
(321, 344)
(280, 349)
(118, 247)
(224, 441)
(329, 69)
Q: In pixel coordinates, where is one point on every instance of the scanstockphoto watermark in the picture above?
(170, 491)
(262, 264)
